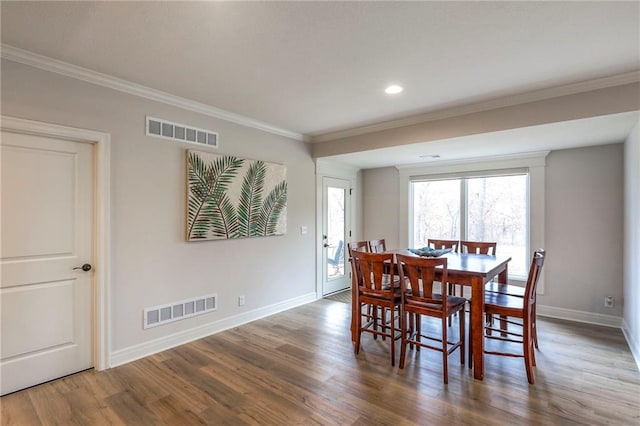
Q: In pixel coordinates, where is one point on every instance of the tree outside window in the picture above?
(493, 208)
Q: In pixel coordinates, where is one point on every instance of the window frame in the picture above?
(535, 163)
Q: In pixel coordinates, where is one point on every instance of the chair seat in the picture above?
(452, 300)
(511, 290)
(502, 301)
(454, 303)
(370, 297)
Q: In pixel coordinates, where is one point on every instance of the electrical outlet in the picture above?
(608, 301)
(240, 300)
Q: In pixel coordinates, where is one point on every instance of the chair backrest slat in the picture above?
(478, 247)
(377, 246)
(443, 244)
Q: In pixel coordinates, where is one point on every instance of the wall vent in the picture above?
(164, 129)
(170, 312)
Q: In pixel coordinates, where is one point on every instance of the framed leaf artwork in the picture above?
(231, 197)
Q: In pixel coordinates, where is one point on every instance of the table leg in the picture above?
(503, 279)
(477, 314)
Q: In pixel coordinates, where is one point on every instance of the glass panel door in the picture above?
(334, 235)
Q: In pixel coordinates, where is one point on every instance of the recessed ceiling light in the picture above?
(430, 156)
(393, 89)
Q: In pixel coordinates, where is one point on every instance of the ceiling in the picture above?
(317, 68)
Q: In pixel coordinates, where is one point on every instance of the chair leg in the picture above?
(403, 327)
(534, 326)
(356, 348)
(412, 327)
(418, 330)
(470, 340)
(374, 318)
(527, 348)
(445, 353)
(452, 290)
(462, 337)
(392, 320)
(383, 320)
(503, 325)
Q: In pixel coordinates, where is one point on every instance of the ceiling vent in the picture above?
(168, 130)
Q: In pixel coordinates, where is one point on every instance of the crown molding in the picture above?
(507, 101)
(59, 67)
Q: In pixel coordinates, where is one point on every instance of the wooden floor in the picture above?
(298, 368)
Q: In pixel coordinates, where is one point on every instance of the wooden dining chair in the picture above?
(379, 290)
(523, 309)
(421, 299)
(362, 246)
(377, 246)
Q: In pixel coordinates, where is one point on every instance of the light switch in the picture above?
(303, 230)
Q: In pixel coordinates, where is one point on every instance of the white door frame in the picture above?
(101, 299)
(325, 168)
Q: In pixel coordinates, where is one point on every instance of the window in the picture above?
(478, 207)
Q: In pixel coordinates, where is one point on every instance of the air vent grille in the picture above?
(164, 129)
(170, 312)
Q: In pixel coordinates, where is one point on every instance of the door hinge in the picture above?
(350, 191)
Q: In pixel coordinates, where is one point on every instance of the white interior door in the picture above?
(335, 231)
(47, 195)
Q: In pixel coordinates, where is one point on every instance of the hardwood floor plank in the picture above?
(298, 368)
(17, 409)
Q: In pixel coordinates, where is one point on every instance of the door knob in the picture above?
(86, 267)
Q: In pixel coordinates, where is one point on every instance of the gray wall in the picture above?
(151, 263)
(631, 316)
(380, 219)
(584, 229)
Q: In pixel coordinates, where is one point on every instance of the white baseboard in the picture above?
(579, 316)
(151, 347)
(634, 345)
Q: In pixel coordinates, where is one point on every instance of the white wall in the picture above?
(583, 221)
(152, 263)
(631, 312)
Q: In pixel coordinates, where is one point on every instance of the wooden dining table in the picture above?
(469, 269)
